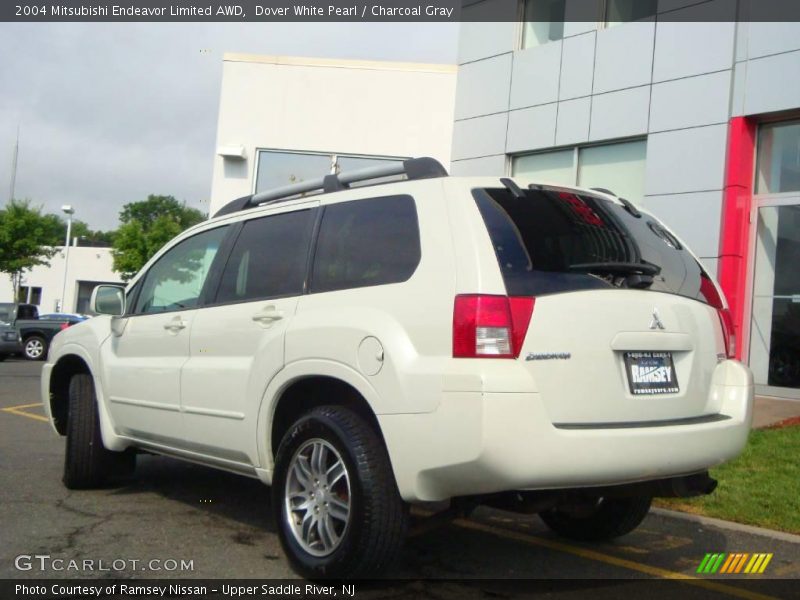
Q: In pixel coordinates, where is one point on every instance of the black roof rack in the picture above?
(413, 168)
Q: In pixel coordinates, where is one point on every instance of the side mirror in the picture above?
(108, 300)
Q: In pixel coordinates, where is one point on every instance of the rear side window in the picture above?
(554, 240)
(366, 242)
(268, 259)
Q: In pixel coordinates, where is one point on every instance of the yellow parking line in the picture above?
(17, 410)
(18, 406)
(612, 560)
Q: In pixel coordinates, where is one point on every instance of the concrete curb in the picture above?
(712, 522)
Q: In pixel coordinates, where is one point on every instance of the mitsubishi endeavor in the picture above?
(371, 340)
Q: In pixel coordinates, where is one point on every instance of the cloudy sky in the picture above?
(109, 113)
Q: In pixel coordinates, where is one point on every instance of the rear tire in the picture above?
(87, 463)
(35, 348)
(366, 516)
(610, 518)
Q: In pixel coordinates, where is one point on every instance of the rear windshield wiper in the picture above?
(622, 268)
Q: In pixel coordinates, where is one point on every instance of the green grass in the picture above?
(761, 487)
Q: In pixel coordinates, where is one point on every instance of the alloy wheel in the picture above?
(317, 497)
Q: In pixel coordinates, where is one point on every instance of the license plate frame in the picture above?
(651, 373)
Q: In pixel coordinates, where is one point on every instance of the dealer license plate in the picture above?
(651, 373)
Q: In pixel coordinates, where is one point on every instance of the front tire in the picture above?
(87, 463)
(600, 520)
(336, 505)
(35, 348)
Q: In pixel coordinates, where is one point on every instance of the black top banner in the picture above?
(386, 10)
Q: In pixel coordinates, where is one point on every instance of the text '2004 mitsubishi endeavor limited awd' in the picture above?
(541, 349)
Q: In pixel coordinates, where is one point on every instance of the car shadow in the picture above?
(462, 560)
(242, 499)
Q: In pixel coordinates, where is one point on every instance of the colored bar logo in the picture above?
(735, 562)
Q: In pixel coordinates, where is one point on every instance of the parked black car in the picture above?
(33, 335)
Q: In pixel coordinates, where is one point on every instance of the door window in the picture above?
(269, 258)
(175, 281)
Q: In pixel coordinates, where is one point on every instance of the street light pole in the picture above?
(69, 211)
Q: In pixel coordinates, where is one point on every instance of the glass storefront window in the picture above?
(778, 165)
(280, 168)
(775, 330)
(543, 22)
(552, 167)
(277, 169)
(618, 167)
(625, 11)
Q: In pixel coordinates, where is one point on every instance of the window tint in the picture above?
(269, 258)
(366, 242)
(554, 240)
(176, 280)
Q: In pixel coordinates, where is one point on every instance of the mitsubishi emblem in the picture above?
(656, 322)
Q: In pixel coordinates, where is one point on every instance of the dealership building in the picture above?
(699, 122)
(65, 283)
(287, 119)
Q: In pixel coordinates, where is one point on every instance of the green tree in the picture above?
(25, 240)
(57, 232)
(145, 227)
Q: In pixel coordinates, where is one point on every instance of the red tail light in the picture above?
(709, 291)
(487, 326)
(728, 331)
(64, 326)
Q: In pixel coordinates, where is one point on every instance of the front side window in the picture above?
(269, 258)
(366, 242)
(176, 280)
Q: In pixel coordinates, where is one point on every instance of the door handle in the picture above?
(175, 325)
(267, 316)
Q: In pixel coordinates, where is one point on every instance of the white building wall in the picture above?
(328, 106)
(85, 264)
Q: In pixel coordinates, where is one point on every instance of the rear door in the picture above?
(622, 328)
(237, 343)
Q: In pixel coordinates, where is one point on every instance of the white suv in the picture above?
(480, 340)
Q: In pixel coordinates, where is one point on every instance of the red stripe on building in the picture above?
(735, 232)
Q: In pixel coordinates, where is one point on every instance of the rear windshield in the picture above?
(551, 240)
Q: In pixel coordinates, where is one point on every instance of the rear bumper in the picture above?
(480, 442)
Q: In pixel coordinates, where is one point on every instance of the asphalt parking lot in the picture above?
(173, 511)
